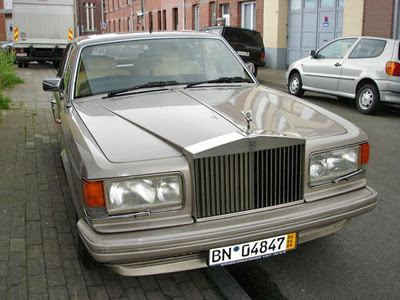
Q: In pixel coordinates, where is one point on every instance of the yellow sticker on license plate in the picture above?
(252, 250)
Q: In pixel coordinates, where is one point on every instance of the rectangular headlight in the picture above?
(327, 166)
(143, 194)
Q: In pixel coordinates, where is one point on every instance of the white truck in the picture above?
(42, 29)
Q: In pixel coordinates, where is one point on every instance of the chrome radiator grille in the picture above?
(245, 181)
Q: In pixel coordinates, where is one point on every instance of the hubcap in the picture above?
(366, 99)
(294, 85)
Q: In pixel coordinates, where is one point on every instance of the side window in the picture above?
(368, 48)
(337, 49)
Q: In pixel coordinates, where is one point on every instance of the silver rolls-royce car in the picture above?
(178, 159)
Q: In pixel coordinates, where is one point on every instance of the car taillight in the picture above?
(19, 50)
(262, 56)
(393, 68)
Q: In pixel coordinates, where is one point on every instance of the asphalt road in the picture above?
(363, 260)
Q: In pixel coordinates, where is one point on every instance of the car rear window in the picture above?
(248, 37)
(368, 48)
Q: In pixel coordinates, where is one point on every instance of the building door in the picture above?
(312, 24)
(9, 29)
(225, 14)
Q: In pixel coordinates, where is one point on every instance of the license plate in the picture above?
(21, 54)
(243, 53)
(252, 250)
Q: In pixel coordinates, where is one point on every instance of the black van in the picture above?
(247, 43)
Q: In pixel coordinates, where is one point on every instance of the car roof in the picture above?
(112, 37)
(365, 37)
(230, 27)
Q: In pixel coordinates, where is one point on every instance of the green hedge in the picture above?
(8, 76)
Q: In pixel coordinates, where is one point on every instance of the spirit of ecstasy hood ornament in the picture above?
(248, 116)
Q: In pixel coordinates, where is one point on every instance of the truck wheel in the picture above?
(19, 65)
(255, 71)
(26, 65)
(367, 99)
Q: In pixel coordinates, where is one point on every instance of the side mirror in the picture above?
(313, 53)
(52, 84)
(251, 67)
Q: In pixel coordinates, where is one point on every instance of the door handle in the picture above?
(337, 64)
(54, 102)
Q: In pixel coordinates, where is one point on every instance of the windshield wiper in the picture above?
(142, 86)
(220, 80)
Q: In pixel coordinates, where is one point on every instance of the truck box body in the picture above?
(42, 29)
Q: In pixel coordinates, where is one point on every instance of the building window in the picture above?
(310, 4)
(225, 13)
(159, 20)
(164, 20)
(196, 17)
(175, 18)
(151, 21)
(296, 4)
(249, 15)
(213, 12)
(89, 11)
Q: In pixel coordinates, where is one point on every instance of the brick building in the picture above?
(159, 15)
(378, 20)
(6, 32)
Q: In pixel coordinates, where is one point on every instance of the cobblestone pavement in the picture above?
(38, 259)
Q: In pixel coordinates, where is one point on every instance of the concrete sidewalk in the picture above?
(38, 237)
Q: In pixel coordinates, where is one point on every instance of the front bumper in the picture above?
(185, 247)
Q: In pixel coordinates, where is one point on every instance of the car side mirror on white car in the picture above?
(313, 53)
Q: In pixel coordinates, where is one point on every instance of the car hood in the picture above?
(158, 124)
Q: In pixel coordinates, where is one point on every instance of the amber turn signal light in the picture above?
(364, 153)
(93, 193)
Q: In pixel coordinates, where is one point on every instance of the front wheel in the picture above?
(367, 99)
(295, 85)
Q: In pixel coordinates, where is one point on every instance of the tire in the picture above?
(295, 85)
(20, 65)
(26, 65)
(85, 257)
(255, 71)
(367, 100)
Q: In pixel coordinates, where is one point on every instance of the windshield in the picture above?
(117, 66)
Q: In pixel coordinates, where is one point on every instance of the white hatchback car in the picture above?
(364, 68)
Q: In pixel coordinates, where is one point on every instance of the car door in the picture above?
(322, 71)
(366, 60)
(61, 101)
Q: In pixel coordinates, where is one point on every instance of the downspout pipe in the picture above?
(184, 14)
(396, 33)
(102, 15)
